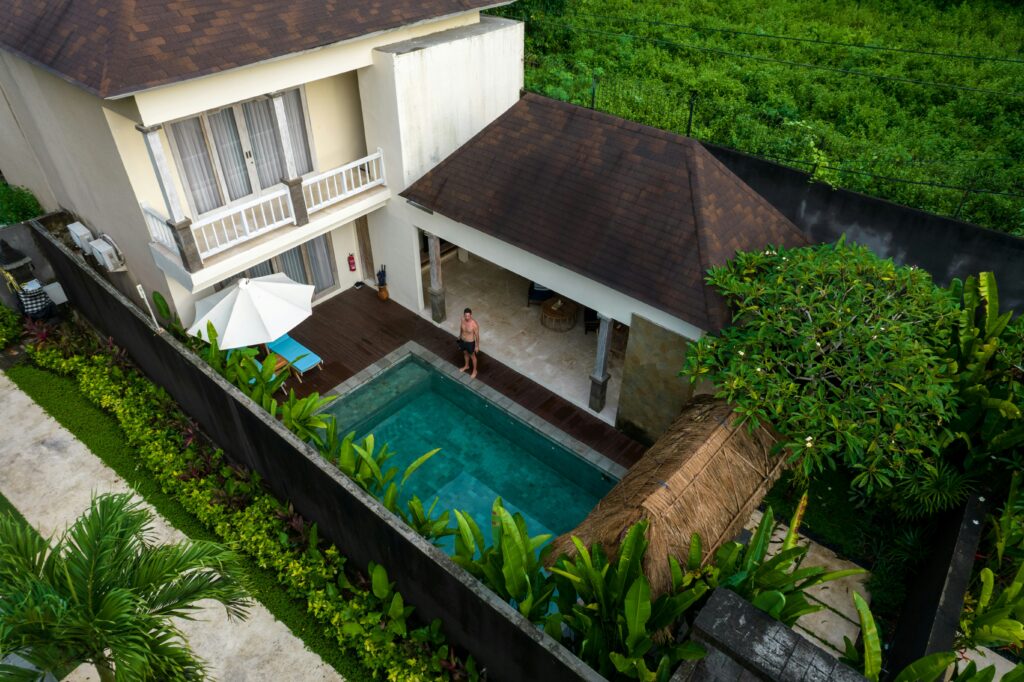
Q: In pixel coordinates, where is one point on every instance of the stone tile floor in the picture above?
(510, 331)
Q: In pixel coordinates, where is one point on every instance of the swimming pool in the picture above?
(490, 447)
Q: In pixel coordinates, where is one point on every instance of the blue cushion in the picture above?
(302, 358)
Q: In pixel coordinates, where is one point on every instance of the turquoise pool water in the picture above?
(485, 452)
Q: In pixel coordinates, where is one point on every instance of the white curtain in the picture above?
(229, 152)
(291, 265)
(195, 157)
(266, 144)
(319, 254)
(297, 132)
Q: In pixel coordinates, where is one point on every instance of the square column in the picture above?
(438, 307)
(181, 227)
(600, 376)
(291, 179)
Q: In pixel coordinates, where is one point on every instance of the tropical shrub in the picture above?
(513, 566)
(17, 204)
(10, 326)
(837, 349)
(868, 659)
(103, 593)
(994, 622)
(615, 626)
(775, 584)
(986, 360)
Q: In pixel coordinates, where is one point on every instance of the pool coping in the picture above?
(528, 418)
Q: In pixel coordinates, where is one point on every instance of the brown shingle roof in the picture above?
(644, 211)
(114, 47)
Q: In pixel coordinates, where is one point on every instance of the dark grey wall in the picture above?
(944, 247)
(19, 235)
(745, 644)
(508, 645)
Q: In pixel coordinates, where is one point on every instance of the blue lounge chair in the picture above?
(302, 358)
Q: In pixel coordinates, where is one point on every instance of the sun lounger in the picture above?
(302, 358)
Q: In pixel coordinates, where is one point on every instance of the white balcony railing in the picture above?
(328, 188)
(233, 225)
(226, 227)
(159, 230)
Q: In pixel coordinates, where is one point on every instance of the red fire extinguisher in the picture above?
(351, 263)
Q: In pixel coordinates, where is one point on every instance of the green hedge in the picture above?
(10, 326)
(17, 204)
(233, 505)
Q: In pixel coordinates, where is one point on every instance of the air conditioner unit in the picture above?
(107, 254)
(81, 235)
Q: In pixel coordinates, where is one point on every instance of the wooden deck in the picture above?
(355, 329)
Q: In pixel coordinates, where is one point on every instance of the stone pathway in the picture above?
(825, 628)
(50, 476)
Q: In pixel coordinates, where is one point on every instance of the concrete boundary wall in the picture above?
(944, 247)
(508, 645)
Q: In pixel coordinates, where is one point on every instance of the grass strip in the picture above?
(60, 397)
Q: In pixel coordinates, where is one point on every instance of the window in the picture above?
(309, 263)
(228, 154)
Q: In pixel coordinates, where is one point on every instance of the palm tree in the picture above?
(104, 594)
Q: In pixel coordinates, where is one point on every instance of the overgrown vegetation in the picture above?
(17, 204)
(10, 326)
(891, 395)
(870, 367)
(958, 126)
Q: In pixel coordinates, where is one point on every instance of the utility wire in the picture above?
(786, 62)
(773, 36)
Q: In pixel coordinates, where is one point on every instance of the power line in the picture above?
(773, 36)
(786, 62)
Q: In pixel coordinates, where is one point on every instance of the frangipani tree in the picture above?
(103, 593)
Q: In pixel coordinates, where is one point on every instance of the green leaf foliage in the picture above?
(650, 62)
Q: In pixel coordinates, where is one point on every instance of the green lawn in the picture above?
(60, 397)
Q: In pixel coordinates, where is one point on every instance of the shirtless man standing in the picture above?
(469, 340)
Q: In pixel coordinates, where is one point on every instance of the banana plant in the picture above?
(970, 673)
(980, 361)
(1008, 528)
(513, 566)
(774, 584)
(607, 606)
(366, 464)
(995, 622)
(304, 416)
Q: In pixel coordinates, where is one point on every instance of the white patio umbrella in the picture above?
(254, 311)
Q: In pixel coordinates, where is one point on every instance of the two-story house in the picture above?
(215, 140)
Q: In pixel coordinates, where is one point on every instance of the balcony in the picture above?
(329, 198)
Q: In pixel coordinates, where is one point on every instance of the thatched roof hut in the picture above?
(705, 475)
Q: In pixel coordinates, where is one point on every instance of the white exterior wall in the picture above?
(422, 99)
(335, 121)
(67, 128)
(18, 162)
(186, 98)
(603, 299)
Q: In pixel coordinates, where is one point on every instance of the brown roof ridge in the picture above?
(115, 48)
(643, 211)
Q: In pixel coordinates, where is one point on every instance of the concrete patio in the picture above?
(511, 331)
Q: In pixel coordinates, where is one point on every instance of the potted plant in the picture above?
(382, 283)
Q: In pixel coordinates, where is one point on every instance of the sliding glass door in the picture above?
(229, 154)
(309, 263)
